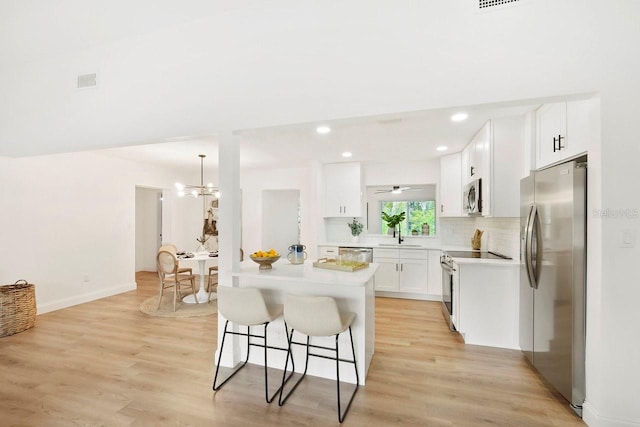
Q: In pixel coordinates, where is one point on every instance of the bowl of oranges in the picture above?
(265, 258)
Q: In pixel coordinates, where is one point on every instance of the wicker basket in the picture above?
(17, 308)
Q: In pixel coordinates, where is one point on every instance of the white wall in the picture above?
(280, 228)
(401, 172)
(71, 230)
(254, 181)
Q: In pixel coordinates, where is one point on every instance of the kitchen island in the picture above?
(353, 292)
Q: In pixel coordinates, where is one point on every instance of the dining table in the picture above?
(202, 258)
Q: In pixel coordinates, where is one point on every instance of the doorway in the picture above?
(148, 227)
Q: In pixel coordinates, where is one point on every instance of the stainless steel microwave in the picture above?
(472, 197)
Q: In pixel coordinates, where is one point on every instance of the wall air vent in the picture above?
(484, 5)
(87, 80)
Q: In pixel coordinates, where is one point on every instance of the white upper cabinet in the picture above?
(495, 156)
(476, 155)
(343, 190)
(451, 185)
(480, 155)
(465, 164)
(507, 145)
(565, 130)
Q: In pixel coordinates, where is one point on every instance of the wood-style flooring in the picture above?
(104, 363)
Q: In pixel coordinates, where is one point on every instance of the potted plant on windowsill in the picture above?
(393, 220)
(356, 229)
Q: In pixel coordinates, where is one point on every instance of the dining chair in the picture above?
(170, 247)
(168, 272)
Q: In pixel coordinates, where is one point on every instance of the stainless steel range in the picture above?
(450, 276)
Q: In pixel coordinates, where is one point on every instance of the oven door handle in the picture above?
(447, 267)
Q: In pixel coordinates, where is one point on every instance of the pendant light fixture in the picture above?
(200, 191)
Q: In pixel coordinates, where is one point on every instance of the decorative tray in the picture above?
(332, 264)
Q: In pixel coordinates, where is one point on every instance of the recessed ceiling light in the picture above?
(442, 148)
(458, 117)
(323, 129)
(347, 154)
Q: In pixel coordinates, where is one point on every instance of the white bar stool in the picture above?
(246, 307)
(317, 316)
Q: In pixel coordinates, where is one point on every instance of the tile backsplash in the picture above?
(500, 234)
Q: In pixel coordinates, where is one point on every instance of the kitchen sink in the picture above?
(395, 245)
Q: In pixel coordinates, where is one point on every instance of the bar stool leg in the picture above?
(215, 378)
(341, 415)
(281, 401)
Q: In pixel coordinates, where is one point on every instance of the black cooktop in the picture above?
(476, 254)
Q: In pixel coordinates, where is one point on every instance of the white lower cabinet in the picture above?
(486, 304)
(405, 273)
(413, 275)
(387, 278)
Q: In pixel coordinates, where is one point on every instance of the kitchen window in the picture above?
(417, 214)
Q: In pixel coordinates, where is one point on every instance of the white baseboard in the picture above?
(407, 295)
(593, 419)
(80, 299)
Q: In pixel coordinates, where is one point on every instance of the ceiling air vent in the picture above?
(484, 5)
(87, 80)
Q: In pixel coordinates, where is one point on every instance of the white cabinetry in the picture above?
(404, 272)
(327, 252)
(502, 193)
(455, 297)
(495, 156)
(565, 130)
(486, 303)
(451, 185)
(476, 156)
(414, 274)
(343, 190)
(466, 164)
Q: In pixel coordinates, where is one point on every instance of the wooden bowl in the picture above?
(265, 262)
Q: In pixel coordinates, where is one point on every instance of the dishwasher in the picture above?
(357, 254)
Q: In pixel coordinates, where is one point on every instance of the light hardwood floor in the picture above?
(105, 363)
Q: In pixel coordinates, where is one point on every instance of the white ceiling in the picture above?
(399, 137)
(170, 70)
(36, 29)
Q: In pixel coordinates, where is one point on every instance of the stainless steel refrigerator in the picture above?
(553, 276)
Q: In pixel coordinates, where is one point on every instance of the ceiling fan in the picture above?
(396, 189)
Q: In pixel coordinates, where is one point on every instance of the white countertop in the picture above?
(284, 270)
(426, 246)
(485, 261)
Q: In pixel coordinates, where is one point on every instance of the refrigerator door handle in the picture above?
(528, 260)
(535, 268)
(526, 247)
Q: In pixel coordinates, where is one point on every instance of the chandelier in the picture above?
(198, 190)
(209, 228)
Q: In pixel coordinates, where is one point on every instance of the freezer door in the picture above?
(526, 290)
(556, 197)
